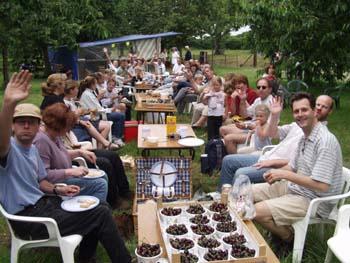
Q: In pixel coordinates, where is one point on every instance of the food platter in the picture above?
(94, 173)
(191, 142)
(80, 203)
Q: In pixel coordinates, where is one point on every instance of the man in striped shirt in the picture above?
(315, 171)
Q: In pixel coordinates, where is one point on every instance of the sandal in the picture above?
(112, 146)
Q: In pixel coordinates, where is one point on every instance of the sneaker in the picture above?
(119, 142)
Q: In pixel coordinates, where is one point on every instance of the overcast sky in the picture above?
(240, 31)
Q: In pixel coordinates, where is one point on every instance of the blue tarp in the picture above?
(69, 58)
(66, 57)
(126, 38)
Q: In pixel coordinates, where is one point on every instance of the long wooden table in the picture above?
(159, 130)
(148, 228)
(141, 108)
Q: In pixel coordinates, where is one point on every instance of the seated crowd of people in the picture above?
(307, 162)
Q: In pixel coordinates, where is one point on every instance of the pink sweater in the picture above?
(54, 155)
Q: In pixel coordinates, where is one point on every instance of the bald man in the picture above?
(255, 166)
(324, 106)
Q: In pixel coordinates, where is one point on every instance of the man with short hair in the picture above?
(255, 166)
(315, 171)
(24, 184)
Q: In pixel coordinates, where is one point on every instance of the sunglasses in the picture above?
(261, 87)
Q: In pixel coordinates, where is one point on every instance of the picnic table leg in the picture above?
(145, 153)
(192, 153)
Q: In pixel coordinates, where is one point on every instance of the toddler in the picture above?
(215, 100)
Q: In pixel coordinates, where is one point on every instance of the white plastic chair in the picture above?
(339, 243)
(300, 227)
(81, 161)
(66, 244)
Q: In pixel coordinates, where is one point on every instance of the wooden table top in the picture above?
(145, 86)
(157, 107)
(149, 229)
(159, 130)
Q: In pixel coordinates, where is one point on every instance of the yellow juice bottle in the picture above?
(170, 125)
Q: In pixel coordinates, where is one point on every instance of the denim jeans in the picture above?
(236, 164)
(97, 187)
(182, 98)
(118, 124)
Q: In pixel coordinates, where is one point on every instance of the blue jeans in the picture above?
(118, 124)
(97, 187)
(236, 164)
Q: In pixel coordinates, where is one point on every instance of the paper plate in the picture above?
(163, 176)
(94, 173)
(76, 204)
(191, 142)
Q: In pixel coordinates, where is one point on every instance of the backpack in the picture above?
(215, 150)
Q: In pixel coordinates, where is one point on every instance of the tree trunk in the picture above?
(5, 65)
(47, 66)
(217, 41)
(254, 59)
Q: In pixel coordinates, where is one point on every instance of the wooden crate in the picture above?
(175, 258)
(134, 216)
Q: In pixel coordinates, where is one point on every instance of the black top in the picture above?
(51, 99)
(188, 55)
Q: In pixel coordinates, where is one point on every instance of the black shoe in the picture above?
(281, 247)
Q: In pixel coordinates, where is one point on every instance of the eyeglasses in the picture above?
(261, 87)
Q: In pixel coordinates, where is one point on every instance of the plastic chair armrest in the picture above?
(317, 201)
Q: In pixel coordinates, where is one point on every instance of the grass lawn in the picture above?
(315, 248)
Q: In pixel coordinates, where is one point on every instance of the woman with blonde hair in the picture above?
(53, 89)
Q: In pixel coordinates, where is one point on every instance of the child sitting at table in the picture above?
(215, 100)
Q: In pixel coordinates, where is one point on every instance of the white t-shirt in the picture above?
(178, 69)
(251, 109)
(216, 104)
(174, 56)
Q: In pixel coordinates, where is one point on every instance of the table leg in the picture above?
(192, 152)
(145, 153)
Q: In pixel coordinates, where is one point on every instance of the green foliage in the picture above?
(316, 33)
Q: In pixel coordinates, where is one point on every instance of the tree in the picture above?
(315, 33)
(39, 24)
(218, 19)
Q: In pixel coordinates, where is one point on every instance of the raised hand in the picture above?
(276, 106)
(105, 50)
(242, 94)
(18, 87)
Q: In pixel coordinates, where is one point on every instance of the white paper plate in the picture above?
(191, 142)
(73, 204)
(94, 173)
(169, 174)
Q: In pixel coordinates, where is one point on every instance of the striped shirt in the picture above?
(319, 156)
